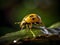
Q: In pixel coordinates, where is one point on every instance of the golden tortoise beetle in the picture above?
(31, 19)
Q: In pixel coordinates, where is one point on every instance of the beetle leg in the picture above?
(27, 27)
(30, 26)
(22, 27)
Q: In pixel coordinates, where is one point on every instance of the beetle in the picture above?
(30, 19)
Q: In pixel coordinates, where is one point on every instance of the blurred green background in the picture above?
(14, 10)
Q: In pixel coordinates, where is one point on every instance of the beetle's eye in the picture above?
(31, 16)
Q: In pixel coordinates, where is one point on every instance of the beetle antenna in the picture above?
(17, 22)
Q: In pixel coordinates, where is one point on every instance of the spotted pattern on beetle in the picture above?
(31, 19)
